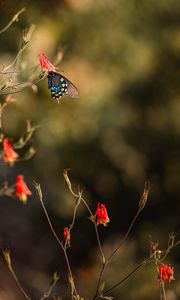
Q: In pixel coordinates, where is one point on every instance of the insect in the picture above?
(60, 86)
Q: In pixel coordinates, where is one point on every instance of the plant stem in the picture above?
(69, 185)
(7, 257)
(145, 262)
(19, 285)
(14, 18)
(99, 280)
(39, 192)
(126, 235)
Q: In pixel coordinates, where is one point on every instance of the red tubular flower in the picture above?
(67, 235)
(9, 155)
(22, 191)
(166, 273)
(102, 215)
(45, 63)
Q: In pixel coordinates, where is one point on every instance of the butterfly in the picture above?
(60, 86)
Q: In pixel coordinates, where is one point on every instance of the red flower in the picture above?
(166, 273)
(102, 216)
(9, 155)
(45, 63)
(67, 235)
(22, 191)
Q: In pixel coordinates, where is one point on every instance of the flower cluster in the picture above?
(102, 215)
(67, 236)
(10, 156)
(45, 63)
(166, 273)
(22, 191)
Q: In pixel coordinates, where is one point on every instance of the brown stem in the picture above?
(129, 275)
(163, 290)
(74, 217)
(14, 18)
(126, 235)
(99, 280)
(69, 185)
(7, 257)
(39, 192)
(2, 106)
(169, 249)
(52, 285)
(19, 285)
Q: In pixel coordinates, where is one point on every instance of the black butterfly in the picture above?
(60, 86)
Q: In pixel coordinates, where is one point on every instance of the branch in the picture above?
(71, 280)
(7, 257)
(52, 285)
(14, 19)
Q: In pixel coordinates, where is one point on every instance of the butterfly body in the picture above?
(60, 86)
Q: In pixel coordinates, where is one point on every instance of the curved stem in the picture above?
(69, 185)
(14, 18)
(99, 281)
(7, 257)
(126, 235)
(145, 262)
(19, 285)
(22, 86)
(39, 192)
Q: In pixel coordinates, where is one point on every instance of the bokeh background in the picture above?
(124, 57)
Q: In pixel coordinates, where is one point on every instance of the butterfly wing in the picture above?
(60, 85)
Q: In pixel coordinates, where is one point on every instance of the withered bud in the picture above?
(153, 247)
(7, 257)
(143, 200)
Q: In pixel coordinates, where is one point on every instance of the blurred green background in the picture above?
(124, 57)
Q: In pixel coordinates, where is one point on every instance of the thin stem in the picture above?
(15, 59)
(2, 107)
(26, 40)
(14, 18)
(163, 291)
(74, 217)
(99, 244)
(19, 285)
(9, 264)
(52, 285)
(69, 185)
(126, 235)
(145, 262)
(169, 249)
(19, 72)
(22, 86)
(99, 281)
(39, 192)
(75, 210)
(142, 203)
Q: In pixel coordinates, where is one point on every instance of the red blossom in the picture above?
(45, 63)
(22, 191)
(9, 155)
(67, 235)
(166, 273)
(102, 215)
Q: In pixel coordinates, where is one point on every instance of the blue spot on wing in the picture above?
(59, 86)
